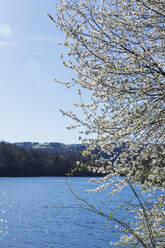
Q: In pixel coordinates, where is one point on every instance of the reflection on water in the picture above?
(27, 223)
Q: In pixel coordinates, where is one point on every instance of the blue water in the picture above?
(29, 221)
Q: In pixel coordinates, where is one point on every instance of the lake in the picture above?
(28, 219)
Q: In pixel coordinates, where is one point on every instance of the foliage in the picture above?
(19, 162)
(117, 50)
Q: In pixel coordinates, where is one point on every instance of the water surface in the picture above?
(29, 221)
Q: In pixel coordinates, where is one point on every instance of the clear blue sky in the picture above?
(29, 61)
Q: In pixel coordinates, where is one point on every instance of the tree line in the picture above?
(18, 162)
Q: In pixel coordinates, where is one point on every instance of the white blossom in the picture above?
(117, 50)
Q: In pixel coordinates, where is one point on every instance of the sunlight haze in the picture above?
(30, 60)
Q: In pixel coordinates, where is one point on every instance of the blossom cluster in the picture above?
(117, 50)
